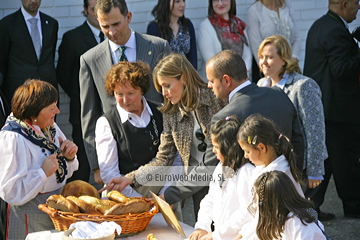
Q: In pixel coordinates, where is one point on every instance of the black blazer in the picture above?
(332, 59)
(272, 103)
(74, 43)
(18, 60)
(6, 108)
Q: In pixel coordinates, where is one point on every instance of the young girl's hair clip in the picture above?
(227, 118)
(254, 140)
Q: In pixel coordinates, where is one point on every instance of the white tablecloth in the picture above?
(157, 226)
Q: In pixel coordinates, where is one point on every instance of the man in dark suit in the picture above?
(227, 76)
(4, 112)
(332, 59)
(122, 43)
(75, 43)
(27, 42)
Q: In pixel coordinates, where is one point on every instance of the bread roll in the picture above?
(100, 205)
(79, 188)
(118, 197)
(83, 205)
(134, 206)
(60, 203)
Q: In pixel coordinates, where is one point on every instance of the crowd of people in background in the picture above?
(138, 101)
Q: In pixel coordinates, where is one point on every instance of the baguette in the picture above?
(83, 205)
(60, 203)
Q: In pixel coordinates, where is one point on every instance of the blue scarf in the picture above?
(15, 125)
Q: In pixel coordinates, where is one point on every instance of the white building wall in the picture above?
(68, 13)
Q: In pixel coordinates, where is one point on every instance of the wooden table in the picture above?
(157, 226)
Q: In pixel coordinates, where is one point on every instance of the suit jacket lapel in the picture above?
(88, 35)
(104, 59)
(21, 28)
(144, 49)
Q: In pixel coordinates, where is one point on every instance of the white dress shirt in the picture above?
(130, 51)
(106, 147)
(95, 31)
(21, 175)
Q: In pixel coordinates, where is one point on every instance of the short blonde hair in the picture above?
(283, 49)
(174, 66)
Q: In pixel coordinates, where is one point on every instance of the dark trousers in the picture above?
(343, 145)
(3, 209)
(255, 71)
(197, 197)
(83, 173)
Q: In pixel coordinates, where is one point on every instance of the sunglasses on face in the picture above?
(200, 136)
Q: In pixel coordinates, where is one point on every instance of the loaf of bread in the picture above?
(83, 205)
(101, 206)
(79, 188)
(118, 197)
(134, 206)
(60, 203)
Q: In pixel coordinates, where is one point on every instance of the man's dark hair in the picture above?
(230, 63)
(86, 5)
(105, 6)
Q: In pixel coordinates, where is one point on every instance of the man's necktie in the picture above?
(35, 36)
(122, 56)
(101, 35)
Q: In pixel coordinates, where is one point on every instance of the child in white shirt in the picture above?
(268, 150)
(222, 199)
(281, 213)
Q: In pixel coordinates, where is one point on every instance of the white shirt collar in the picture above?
(94, 30)
(27, 16)
(131, 43)
(280, 84)
(125, 115)
(346, 24)
(244, 84)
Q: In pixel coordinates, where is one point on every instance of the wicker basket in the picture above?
(130, 223)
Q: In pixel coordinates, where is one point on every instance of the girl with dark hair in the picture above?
(222, 200)
(170, 24)
(269, 150)
(281, 212)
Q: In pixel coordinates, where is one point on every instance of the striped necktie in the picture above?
(35, 36)
(122, 56)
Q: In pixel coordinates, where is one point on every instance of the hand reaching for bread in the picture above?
(118, 184)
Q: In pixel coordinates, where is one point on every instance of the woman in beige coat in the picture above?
(187, 111)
